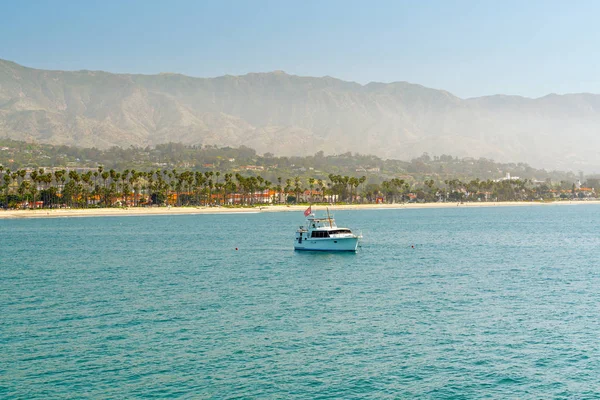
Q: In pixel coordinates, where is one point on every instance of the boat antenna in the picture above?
(329, 218)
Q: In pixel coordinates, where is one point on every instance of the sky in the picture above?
(470, 48)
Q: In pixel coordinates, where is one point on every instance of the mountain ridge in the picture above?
(289, 114)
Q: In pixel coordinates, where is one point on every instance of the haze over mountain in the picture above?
(292, 115)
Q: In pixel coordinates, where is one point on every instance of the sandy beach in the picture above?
(114, 212)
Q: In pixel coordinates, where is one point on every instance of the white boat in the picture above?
(322, 234)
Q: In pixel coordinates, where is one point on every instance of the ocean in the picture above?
(449, 303)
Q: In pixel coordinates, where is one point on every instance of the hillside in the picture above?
(291, 115)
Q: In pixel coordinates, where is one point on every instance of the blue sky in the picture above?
(470, 48)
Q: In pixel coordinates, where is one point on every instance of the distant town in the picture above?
(44, 176)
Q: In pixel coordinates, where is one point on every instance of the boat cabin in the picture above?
(323, 234)
(322, 228)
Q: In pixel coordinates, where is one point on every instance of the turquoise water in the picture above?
(492, 302)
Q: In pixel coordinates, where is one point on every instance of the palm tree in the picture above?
(190, 186)
(252, 184)
(361, 181)
(311, 184)
(21, 174)
(97, 174)
(75, 178)
(288, 187)
(134, 182)
(322, 187)
(104, 175)
(267, 187)
(226, 186)
(6, 178)
(209, 185)
(335, 186)
(345, 180)
(149, 186)
(387, 188)
(198, 183)
(124, 177)
(260, 186)
(166, 185)
(33, 175)
(96, 189)
(24, 187)
(279, 188)
(87, 180)
(297, 188)
(354, 182)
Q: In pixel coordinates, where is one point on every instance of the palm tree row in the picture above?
(130, 187)
(106, 188)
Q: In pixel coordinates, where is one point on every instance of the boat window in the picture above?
(338, 231)
(319, 234)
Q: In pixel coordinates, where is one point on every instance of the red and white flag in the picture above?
(307, 211)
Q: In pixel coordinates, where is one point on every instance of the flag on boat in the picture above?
(307, 211)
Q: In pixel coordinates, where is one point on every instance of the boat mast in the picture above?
(329, 218)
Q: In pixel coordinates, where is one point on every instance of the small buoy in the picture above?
(236, 248)
(412, 246)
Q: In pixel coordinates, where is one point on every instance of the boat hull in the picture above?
(330, 244)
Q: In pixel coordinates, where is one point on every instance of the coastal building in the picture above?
(508, 178)
(259, 197)
(252, 167)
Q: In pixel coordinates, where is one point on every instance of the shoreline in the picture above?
(146, 211)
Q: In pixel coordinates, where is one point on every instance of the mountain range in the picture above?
(292, 115)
